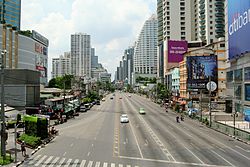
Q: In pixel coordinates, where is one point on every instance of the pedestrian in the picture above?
(177, 119)
(23, 149)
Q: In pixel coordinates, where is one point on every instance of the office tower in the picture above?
(61, 66)
(10, 12)
(94, 59)
(80, 55)
(145, 54)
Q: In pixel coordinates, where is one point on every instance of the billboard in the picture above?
(199, 69)
(176, 49)
(238, 27)
(247, 114)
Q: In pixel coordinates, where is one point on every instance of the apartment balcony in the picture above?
(219, 25)
(202, 27)
(202, 2)
(220, 31)
(202, 22)
(202, 6)
(202, 16)
(219, 3)
(219, 14)
(220, 19)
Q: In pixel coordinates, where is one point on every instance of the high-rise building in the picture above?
(10, 12)
(174, 22)
(94, 59)
(208, 20)
(145, 54)
(81, 55)
(61, 66)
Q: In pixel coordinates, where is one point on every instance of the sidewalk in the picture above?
(10, 148)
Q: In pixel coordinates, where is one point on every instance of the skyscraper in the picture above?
(145, 54)
(61, 66)
(10, 12)
(80, 55)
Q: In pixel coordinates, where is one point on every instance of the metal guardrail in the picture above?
(244, 135)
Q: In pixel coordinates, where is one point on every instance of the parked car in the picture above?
(83, 109)
(142, 111)
(98, 102)
(87, 106)
(124, 118)
(103, 99)
(111, 98)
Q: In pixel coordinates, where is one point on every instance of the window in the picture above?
(247, 74)
(211, 33)
(230, 76)
(238, 75)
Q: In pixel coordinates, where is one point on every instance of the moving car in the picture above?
(124, 118)
(120, 98)
(111, 98)
(142, 111)
(98, 102)
(129, 95)
(103, 99)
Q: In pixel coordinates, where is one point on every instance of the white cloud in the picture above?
(112, 24)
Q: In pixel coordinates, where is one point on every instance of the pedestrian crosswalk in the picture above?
(53, 161)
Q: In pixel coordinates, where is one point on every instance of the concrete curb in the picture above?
(34, 151)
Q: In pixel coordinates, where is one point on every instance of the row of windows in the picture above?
(237, 75)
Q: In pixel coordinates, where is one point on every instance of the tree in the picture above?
(52, 83)
(58, 82)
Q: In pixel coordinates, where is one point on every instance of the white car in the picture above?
(124, 118)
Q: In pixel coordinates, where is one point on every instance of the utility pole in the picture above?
(210, 113)
(201, 104)
(64, 96)
(3, 133)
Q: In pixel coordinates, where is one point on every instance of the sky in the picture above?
(113, 25)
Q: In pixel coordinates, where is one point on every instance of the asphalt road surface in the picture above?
(98, 139)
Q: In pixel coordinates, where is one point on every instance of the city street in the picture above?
(98, 139)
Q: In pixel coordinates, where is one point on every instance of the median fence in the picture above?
(229, 130)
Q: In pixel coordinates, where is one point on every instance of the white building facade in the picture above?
(61, 66)
(145, 53)
(81, 54)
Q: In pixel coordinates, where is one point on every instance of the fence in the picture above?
(230, 130)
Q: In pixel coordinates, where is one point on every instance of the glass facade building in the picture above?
(10, 12)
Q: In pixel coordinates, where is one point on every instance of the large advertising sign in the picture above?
(238, 27)
(176, 49)
(40, 38)
(199, 69)
(247, 114)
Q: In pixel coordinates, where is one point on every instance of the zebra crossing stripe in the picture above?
(83, 163)
(97, 164)
(61, 162)
(33, 160)
(90, 164)
(105, 164)
(120, 165)
(68, 163)
(47, 161)
(112, 165)
(128, 165)
(54, 161)
(75, 163)
(38, 163)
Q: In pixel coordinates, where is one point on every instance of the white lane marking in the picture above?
(75, 163)
(242, 148)
(54, 161)
(64, 153)
(194, 155)
(71, 145)
(222, 158)
(61, 162)
(38, 163)
(97, 164)
(136, 141)
(88, 154)
(47, 161)
(33, 160)
(90, 163)
(92, 145)
(112, 165)
(146, 142)
(128, 166)
(120, 165)
(105, 164)
(169, 162)
(68, 163)
(83, 163)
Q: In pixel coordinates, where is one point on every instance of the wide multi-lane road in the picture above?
(98, 139)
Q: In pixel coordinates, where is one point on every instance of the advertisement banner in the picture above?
(238, 27)
(176, 49)
(199, 69)
(247, 114)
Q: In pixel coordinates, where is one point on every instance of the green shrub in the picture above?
(30, 140)
(7, 160)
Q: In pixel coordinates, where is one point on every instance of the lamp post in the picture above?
(234, 115)
(3, 133)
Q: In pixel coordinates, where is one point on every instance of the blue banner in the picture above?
(238, 27)
(247, 114)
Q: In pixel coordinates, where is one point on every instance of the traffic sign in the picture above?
(211, 84)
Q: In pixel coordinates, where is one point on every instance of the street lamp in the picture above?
(3, 131)
(234, 115)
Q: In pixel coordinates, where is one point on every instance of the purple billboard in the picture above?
(176, 49)
(238, 27)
